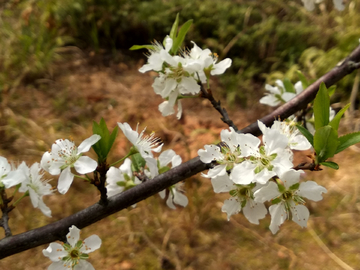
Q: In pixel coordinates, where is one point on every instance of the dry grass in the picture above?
(152, 236)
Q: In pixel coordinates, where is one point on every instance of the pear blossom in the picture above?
(175, 196)
(287, 199)
(242, 198)
(74, 253)
(120, 179)
(230, 153)
(296, 141)
(145, 145)
(36, 187)
(8, 176)
(278, 94)
(155, 60)
(161, 165)
(263, 162)
(65, 155)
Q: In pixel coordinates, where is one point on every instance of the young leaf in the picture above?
(303, 80)
(330, 164)
(325, 143)
(174, 28)
(307, 134)
(348, 140)
(289, 87)
(331, 90)
(335, 122)
(321, 107)
(104, 145)
(138, 47)
(180, 37)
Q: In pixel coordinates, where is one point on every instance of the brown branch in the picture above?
(217, 105)
(46, 234)
(5, 209)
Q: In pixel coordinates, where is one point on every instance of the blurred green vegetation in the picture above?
(266, 40)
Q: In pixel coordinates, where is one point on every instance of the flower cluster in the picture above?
(253, 173)
(278, 94)
(181, 75)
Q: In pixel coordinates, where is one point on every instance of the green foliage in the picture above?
(321, 107)
(103, 146)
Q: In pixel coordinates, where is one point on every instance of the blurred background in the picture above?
(66, 63)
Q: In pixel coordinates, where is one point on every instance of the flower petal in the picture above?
(278, 216)
(54, 252)
(254, 211)
(231, 207)
(87, 143)
(91, 244)
(311, 190)
(65, 180)
(85, 165)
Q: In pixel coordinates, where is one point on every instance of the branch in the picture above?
(5, 209)
(52, 232)
(217, 105)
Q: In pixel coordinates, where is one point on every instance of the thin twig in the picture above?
(5, 209)
(217, 105)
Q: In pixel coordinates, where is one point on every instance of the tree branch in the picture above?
(52, 232)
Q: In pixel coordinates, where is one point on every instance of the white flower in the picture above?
(161, 165)
(120, 179)
(9, 177)
(36, 186)
(155, 60)
(296, 141)
(289, 201)
(144, 144)
(73, 254)
(65, 155)
(264, 162)
(176, 196)
(241, 199)
(233, 148)
(277, 94)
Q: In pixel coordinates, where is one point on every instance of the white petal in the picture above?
(267, 193)
(166, 157)
(300, 214)
(44, 208)
(91, 244)
(13, 178)
(222, 184)
(254, 211)
(45, 161)
(153, 167)
(189, 86)
(290, 178)
(65, 180)
(180, 199)
(311, 190)
(231, 207)
(58, 266)
(169, 202)
(87, 143)
(217, 171)
(243, 173)
(278, 216)
(130, 134)
(85, 165)
(162, 194)
(84, 265)
(166, 108)
(179, 112)
(73, 236)
(211, 153)
(54, 252)
(220, 67)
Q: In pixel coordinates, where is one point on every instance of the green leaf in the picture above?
(289, 87)
(335, 122)
(307, 134)
(303, 80)
(138, 162)
(174, 28)
(138, 47)
(180, 37)
(325, 143)
(331, 90)
(104, 145)
(321, 107)
(330, 164)
(348, 140)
